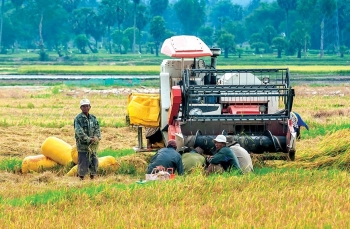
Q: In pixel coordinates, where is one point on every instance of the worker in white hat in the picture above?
(223, 159)
(87, 136)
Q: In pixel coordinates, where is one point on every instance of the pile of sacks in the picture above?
(56, 152)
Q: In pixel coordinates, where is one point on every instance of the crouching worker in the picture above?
(193, 159)
(223, 159)
(244, 159)
(168, 158)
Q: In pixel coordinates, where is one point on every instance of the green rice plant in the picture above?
(100, 70)
(116, 153)
(127, 169)
(41, 96)
(30, 105)
(119, 124)
(56, 90)
(11, 165)
(4, 123)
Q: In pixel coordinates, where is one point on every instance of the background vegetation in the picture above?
(282, 28)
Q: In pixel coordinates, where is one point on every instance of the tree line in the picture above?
(289, 27)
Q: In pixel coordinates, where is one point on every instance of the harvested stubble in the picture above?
(138, 161)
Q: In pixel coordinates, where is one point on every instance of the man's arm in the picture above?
(217, 158)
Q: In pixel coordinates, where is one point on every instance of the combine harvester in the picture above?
(199, 101)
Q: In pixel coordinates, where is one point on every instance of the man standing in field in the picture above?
(87, 136)
(168, 158)
(223, 160)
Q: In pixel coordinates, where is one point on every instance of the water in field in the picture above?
(136, 80)
(80, 80)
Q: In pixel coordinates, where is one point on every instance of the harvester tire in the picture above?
(291, 155)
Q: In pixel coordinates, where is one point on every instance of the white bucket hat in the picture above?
(220, 138)
(84, 102)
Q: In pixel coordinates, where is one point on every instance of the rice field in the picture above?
(311, 192)
(154, 70)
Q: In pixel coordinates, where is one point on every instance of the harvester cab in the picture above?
(199, 101)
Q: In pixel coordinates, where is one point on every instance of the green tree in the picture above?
(157, 7)
(237, 28)
(68, 5)
(279, 43)
(117, 37)
(126, 44)
(157, 30)
(266, 14)
(136, 2)
(121, 14)
(206, 34)
(195, 15)
(129, 34)
(287, 5)
(108, 12)
(226, 42)
(1, 21)
(39, 11)
(342, 50)
(141, 21)
(96, 29)
(17, 3)
(112, 12)
(57, 32)
(83, 21)
(300, 38)
(268, 33)
(327, 8)
(81, 42)
(8, 38)
(256, 42)
(239, 51)
(225, 9)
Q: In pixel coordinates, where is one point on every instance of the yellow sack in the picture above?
(58, 150)
(37, 163)
(74, 154)
(106, 163)
(73, 172)
(144, 109)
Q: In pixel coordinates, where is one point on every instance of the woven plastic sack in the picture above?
(74, 154)
(37, 163)
(57, 150)
(106, 163)
(144, 109)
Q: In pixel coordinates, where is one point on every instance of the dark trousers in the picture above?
(87, 161)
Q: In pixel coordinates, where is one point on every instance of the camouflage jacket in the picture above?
(85, 128)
